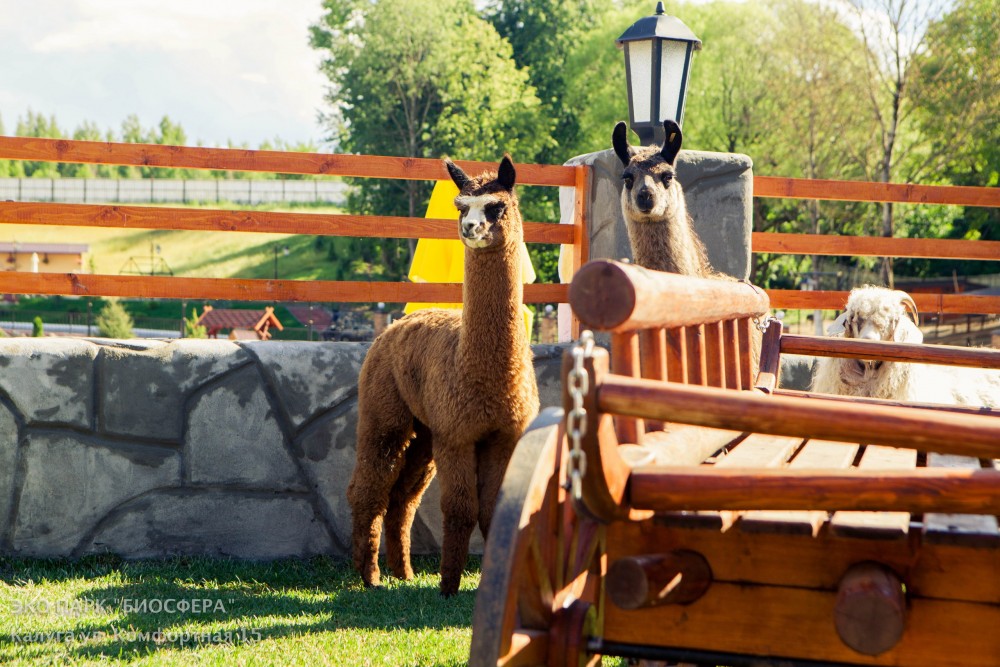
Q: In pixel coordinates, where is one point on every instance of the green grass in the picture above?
(313, 612)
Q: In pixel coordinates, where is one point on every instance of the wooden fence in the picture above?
(367, 166)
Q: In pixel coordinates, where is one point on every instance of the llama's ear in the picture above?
(838, 327)
(672, 141)
(456, 173)
(619, 140)
(907, 332)
(506, 174)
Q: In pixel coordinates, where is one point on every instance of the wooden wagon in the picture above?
(680, 510)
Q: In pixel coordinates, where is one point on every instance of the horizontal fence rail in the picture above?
(873, 246)
(805, 188)
(238, 159)
(235, 289)
(218, 220)
(926, 303)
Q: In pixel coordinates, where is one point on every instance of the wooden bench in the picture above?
(685, 509)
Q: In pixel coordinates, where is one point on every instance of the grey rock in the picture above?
(233, 437)
(305, 375)
(212, 523)
(70, 484)
(8, 463)
(49, 380)
(144, 389)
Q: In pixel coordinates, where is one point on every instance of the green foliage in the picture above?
(191, 327)
(37, 328)
(114, 321)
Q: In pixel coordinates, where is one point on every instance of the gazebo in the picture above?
(242, 324)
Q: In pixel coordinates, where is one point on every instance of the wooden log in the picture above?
(612, 296)
(664, 489)
(870, 611)
(677, 577)
(864, 400)
(732, 354)
(888, 351)
(925, 430)
(625, 361)
(767, 376)
(677, 358)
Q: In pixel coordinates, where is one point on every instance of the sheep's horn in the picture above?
(909, 304)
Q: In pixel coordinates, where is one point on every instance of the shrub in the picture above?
(191, 327)
(114, 321)
(37, 328)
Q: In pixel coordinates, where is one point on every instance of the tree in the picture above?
(191, 327)
(419, 79)
(114, 321)
(894, 32)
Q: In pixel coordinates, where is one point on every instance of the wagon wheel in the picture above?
(541, 593)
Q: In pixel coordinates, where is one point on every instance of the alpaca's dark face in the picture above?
(488, 208)
(650, 191)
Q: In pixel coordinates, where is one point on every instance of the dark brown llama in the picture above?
(447, 389)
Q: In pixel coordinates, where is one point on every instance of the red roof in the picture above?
(216, 319)
(320, 317)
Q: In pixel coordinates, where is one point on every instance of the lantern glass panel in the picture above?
(640, 62)
(672, 79)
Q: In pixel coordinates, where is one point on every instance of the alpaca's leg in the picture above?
(456, 464)
(384, 425)
(492, 460)
(417, 473)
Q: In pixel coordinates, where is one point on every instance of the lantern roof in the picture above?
(660, 25)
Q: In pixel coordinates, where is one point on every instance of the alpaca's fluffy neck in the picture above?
(664, 246)
(492, 334)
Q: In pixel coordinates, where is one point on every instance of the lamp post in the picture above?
(658, 51)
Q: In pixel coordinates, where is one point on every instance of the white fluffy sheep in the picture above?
(877, 313)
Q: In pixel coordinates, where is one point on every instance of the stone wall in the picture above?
(155, 448)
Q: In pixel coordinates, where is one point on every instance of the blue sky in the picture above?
(239, 70)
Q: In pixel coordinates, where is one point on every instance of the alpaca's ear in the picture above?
(456, 173)
(619, 140)
(672, 141)
(506, 174)
(907, 332)
(838, 327)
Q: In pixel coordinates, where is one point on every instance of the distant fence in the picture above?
(241, 191)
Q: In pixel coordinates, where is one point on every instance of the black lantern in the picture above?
(658, 52)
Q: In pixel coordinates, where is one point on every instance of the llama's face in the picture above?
(650, 191)
(489, 215)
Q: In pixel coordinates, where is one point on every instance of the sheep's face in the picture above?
(489, 217)
(877, 314)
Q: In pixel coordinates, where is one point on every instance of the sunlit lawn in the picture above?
(108, 611)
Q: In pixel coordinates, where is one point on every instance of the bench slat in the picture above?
(971, 530)
(815, 454)
(877, 525)
(755, 451)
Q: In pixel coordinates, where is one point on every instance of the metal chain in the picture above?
(576, 420)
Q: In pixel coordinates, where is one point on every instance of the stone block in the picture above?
(72, 482)
(301, 374)
(233, 436)
(9, 437)
(213, 523)
(49, 380)
(143, 390)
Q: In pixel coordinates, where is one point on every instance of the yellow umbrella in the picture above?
(443, 260)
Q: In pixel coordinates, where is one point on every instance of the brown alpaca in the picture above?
(446, 389)
(659, 228)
